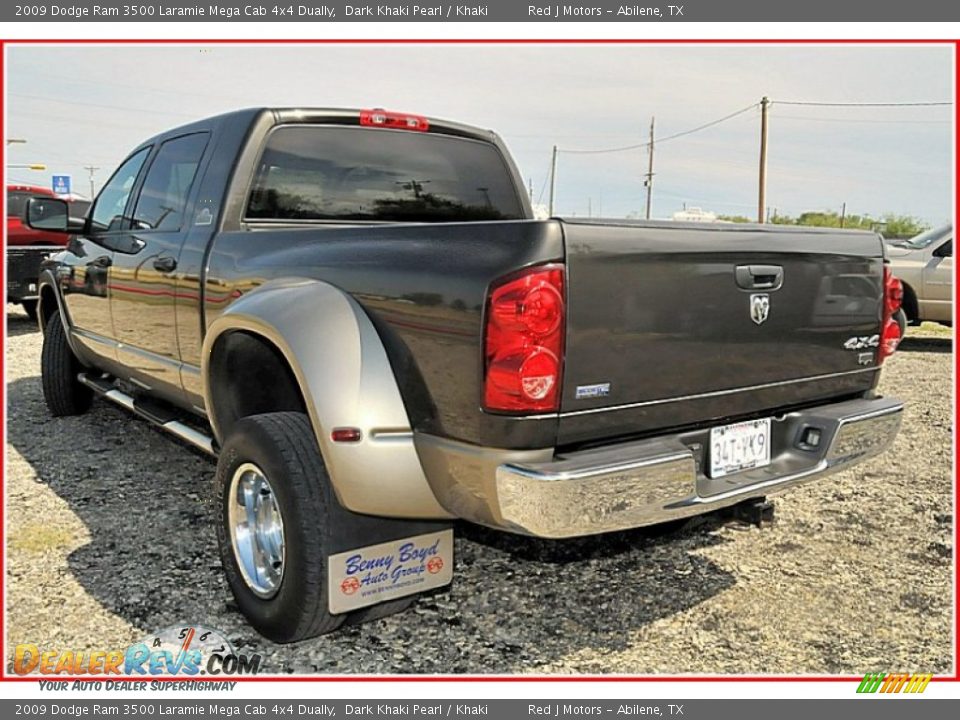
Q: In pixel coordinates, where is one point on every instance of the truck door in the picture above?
(938, 283)
(143, 276)
(83, 277)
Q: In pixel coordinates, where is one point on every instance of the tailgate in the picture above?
(671, 325)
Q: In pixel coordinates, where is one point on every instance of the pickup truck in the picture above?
(26, 248)
(356, 312)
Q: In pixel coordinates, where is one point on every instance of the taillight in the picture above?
(523, 342)
(393, 120)
(890, 329)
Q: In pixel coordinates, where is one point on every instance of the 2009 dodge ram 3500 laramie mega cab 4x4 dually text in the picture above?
(356, 312)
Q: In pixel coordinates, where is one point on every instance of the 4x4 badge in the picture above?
(759, 307)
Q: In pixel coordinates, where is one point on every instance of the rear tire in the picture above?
(59, 368)
(30, 308)
(282, 446)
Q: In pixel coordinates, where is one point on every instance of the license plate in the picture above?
(741, 446)
(377, 573)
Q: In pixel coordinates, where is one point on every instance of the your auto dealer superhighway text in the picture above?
(68, 12)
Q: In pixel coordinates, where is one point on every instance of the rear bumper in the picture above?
(646, 482)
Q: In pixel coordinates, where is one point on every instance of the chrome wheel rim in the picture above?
(256, 530)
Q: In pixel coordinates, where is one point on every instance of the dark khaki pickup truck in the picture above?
(357, 314)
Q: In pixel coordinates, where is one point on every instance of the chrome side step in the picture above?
(181, 430)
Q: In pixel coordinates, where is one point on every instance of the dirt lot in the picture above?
(109, 537)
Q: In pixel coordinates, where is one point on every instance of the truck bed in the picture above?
(655, 316)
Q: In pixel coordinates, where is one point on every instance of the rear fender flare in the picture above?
(346, 380)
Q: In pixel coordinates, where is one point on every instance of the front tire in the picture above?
(59, 368)
(270, 466)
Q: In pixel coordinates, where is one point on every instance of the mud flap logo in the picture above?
(377, 573)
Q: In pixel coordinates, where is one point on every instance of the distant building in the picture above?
(695, 214)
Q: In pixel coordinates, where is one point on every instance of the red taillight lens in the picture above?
(523, 343)
(889, 340)
(892, 292)
(393, 120)
(890, 330)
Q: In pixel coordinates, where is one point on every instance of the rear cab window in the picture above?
(353, 174)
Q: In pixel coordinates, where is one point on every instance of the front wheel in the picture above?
(274, 497)
(59, 368)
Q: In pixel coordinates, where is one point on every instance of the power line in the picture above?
(863, 120)
(709, 124)
(639, 146)
(860, 104)
(666, 138)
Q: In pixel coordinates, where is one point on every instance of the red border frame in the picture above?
(4, 677)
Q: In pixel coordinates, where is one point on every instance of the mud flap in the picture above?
(374, 560)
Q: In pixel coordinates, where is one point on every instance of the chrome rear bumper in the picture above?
(650, 481)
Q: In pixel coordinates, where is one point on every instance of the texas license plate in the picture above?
(741, 446)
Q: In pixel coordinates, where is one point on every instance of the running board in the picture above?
(105, 388)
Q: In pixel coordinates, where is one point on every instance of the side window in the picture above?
(945, 250)
(107, 213)
(163, 197)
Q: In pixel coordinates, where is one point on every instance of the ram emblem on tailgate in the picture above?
(759, 307)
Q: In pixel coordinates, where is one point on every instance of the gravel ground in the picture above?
(109, 537)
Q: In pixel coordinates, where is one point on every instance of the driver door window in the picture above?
(107, 214)
(85, 284)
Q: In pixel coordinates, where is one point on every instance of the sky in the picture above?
(88, 105)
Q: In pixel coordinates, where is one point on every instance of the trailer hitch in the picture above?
(758, 511)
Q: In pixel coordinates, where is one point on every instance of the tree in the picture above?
(892, 226)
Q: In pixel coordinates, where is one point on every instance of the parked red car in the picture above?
(26, 247)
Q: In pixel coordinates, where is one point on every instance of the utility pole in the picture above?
(764, 109)
(91, 169)
(553, 179)
(843, 215)
(649, 182)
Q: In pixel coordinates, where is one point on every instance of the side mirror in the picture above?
(49, 214)
(52, 215)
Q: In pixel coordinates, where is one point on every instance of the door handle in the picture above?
(165, 264)
(759, 277)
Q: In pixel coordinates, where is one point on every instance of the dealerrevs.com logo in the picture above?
(180, 650)
(894, 683)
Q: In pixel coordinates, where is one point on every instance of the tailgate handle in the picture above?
(759, 277)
